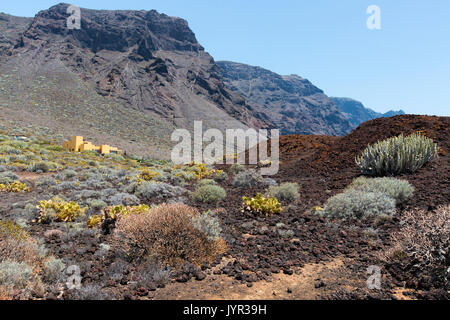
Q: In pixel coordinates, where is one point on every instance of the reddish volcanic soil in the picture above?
(332, 159)
(324, 166)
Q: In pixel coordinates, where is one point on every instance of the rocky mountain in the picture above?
(129, 78)
(134, 75)
(10, 29)
(294, 104)
(357, 113)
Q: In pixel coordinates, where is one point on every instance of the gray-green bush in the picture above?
(221, 176)
(15, 274)
(397, 155)
(53, 269)
(8, 177)
(286, 192)
(237, 168)
(209, 224)
(247, 179)
(399, 190)
(152, 190)
(45, 181)
(357, 204)
(209, 194)
(206, 182)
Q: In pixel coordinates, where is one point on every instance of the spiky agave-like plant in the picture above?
(397, 155)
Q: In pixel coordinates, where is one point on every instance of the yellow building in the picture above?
(77, 144)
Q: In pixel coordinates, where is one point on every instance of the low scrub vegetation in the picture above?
(262, 206)
(248, 179)
(169, 234)
(58, 210)
(357, 204)
(237, 168)
(209, 193)
(286, 192)
(117, 212)
(397, 155)
(15, 186)
(400, 190)
(424, 236)
(154, 190)
(424, 240)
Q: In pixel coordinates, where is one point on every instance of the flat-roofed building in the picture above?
(77, 144)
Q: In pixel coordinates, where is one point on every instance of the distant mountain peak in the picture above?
(357, 113)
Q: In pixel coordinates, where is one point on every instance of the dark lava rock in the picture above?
(288, 272)
(199, 275)
(141, 292)
(319, 284)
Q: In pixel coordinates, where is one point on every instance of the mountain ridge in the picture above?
(143, 63)
(357, 113)
(293, 103)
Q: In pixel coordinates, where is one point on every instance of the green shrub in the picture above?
(221, 176)
(68, 174)
(248, 179)
(208, 224)
(286, 192)
(209, 194)
(45, 181)
(8, 177)
(155, 190)
(59, 210)
(397, 155)
(55, 148)
(53, 269)
(356, 204)
(15, 274)
(96, 204)
(42, 166)
(262, 206)
(237, 168)
(206, 182)
(399, 190)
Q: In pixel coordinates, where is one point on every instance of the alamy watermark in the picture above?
(232, 149)
(74, 280)
(374, 279)
(74, 20)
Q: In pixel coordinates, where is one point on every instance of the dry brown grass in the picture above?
(166, 233)
(17, 245)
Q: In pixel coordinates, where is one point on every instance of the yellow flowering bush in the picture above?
(148, 174)
(260, 205)
(59, 210)
(16, 186)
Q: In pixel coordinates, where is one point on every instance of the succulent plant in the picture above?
(397, 155)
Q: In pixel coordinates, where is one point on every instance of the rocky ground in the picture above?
(294, 255)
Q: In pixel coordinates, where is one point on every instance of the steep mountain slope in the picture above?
(294, 104)
(10, 29)
(357, 113)
(133, 75)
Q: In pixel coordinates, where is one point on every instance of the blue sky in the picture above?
(404, 65)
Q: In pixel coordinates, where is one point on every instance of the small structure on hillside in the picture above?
(77, 144)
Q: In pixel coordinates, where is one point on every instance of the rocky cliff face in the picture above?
(357, 113)
(10, 29)
(140, 59)
(294, 104)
